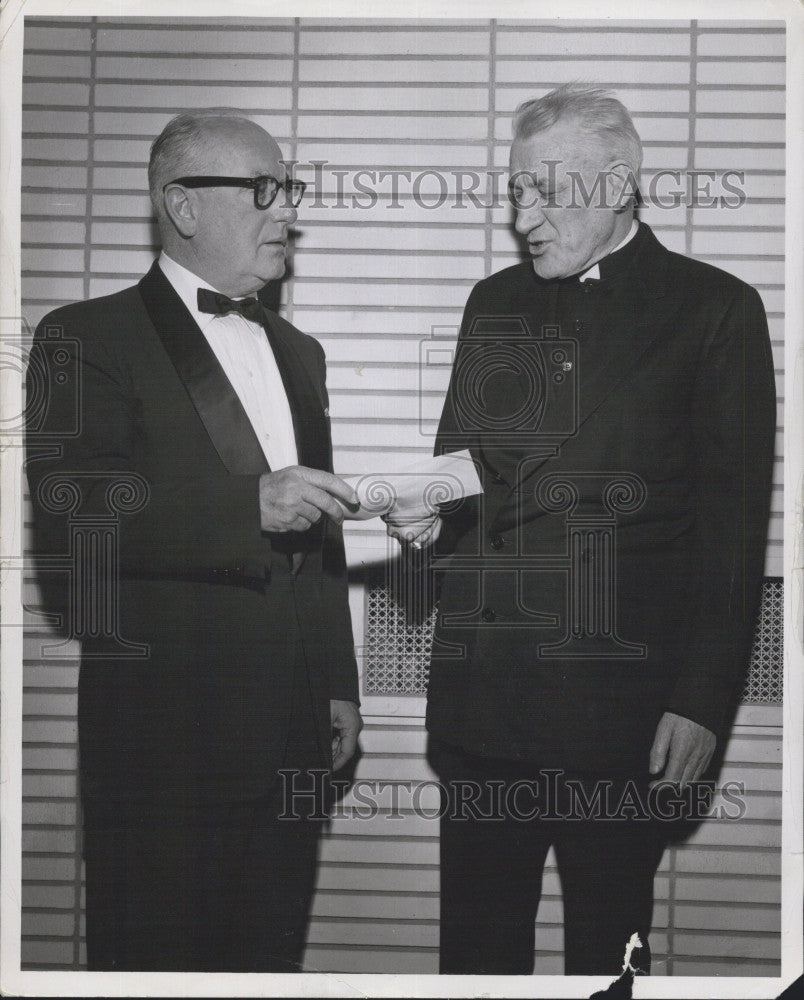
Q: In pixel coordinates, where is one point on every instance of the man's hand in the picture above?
(416, 526)
(684, 746)
(346, 725)
(295, 498)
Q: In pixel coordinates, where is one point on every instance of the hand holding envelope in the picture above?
(408, 500)
(416, 526)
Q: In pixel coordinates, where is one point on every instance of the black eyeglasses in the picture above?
(265, 187)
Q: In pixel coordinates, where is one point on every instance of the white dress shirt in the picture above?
(244, 352)
(594, 270)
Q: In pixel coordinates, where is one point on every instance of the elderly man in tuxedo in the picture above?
(597, 602)
(222, 650)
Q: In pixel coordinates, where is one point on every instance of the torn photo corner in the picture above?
(423, 485)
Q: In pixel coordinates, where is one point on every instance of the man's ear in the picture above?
(621, 186)
(182, 208)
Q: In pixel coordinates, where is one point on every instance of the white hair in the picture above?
(182, 148)
(602, 116)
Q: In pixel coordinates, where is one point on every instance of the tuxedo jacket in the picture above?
(190, 698)
(610, 572)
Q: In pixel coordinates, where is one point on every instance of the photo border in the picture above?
(78, 983)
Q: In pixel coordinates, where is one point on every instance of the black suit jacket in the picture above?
(669, 399)
(204, 715)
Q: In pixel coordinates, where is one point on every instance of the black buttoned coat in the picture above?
(610, 572)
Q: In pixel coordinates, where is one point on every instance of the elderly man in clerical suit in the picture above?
(221, 649)
(597, 602)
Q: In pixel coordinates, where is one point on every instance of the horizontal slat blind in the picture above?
(433, 99)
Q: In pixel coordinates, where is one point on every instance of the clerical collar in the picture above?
(610, 269)
(594, 270)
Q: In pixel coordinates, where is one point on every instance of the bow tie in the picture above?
(219, 305)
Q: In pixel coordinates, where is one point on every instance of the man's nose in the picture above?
(283, 213)
(529, 214)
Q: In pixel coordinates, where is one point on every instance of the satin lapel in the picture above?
(306, 405)
(211, 392)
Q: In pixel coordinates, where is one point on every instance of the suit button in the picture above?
(498, 479)
(497, 541)
(487, 614)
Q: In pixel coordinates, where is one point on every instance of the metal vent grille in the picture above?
(764, 682)
(397, 655)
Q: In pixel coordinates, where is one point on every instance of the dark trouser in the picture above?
(491, 869)
(209, 888)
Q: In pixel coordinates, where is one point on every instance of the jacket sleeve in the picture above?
(339, 640)
(169, 526)
(454, 435)
(734, 418)
(340, 647)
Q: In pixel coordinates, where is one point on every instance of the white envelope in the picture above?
(424, 485)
